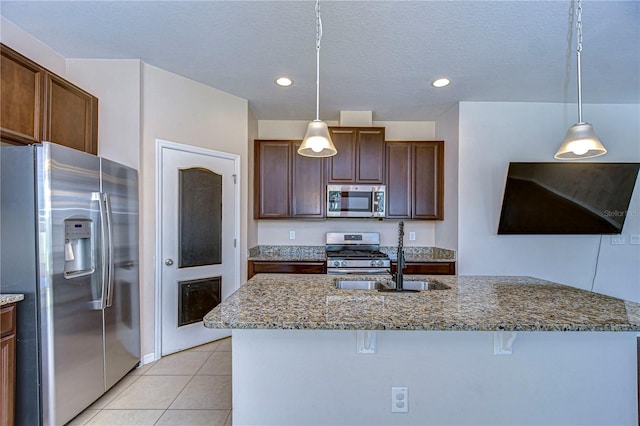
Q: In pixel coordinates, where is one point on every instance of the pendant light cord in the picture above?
(578, 52)
(318, 38)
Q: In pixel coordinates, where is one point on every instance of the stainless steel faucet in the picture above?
(400, 261)
(398, 278)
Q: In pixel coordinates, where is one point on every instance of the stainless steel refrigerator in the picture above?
(69, 242)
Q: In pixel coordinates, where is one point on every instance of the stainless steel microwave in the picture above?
(356, 201)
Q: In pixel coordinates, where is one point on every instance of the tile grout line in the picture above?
(164, 411)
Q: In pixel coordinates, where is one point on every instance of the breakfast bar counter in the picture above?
(485, 350)
(471, 303)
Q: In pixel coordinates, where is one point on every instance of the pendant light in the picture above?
(581, 141)
(317, 141)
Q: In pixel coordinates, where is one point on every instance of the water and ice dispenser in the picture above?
(78, 248)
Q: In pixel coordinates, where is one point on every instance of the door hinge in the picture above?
(234, 242)
(235, 179)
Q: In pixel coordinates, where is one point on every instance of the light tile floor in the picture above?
(191, 387)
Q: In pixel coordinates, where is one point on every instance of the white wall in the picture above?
(22, 42)
(492, 135)
(294, 377)
(252, 224)
(308, 232)
(181, 110)
(446, 231)
(117, 84)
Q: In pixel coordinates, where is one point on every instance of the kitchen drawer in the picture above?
(7, 320)
(275, 267)
(427, 268)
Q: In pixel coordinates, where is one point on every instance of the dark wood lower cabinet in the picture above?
(7, 363)
(273, 267)
(427, 268)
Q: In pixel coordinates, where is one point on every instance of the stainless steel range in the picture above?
(355, 253)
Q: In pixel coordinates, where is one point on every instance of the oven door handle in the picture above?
(356, 271)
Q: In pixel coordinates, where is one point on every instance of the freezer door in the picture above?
(122, 311)
(70, 284)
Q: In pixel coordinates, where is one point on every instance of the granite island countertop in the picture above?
(472, 303)
(5, 299)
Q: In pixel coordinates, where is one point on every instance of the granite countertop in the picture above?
(5, 299)
(288, 253)
(473, 303)
(318, 253)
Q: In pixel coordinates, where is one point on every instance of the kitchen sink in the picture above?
(424, 285)
(378, 285)
(360, 285)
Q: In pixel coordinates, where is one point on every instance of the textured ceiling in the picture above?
(376, 56)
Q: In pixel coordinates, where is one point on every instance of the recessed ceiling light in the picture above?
(441, 82)
(284, 81)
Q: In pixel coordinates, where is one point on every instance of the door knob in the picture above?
(168, 262)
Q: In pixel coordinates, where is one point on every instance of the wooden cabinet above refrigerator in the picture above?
(38, 105)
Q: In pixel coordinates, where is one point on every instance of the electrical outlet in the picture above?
(634, 239)
(399, 400)
(412, 236)
(617, 239)
(292, 235)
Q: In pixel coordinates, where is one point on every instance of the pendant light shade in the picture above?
(317, 141)
(581, 141)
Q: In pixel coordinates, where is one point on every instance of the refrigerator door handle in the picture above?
(110, 265)
(98, 196)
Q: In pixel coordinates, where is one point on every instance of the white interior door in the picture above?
(198, 248)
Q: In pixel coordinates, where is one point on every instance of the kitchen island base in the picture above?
(304, 377)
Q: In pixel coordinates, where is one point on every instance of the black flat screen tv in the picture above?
(567, 198)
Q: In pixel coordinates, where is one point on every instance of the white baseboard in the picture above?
(148, 358)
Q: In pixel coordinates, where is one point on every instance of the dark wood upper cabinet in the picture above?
(71, 117)
(399, 178)
(272, 182)
(21, 98)
(415, 180)
(360, 157)
(38, 105)
(287, 185)
(307, 186)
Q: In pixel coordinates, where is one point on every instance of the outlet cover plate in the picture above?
(399, 400)
(617, 239)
